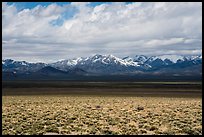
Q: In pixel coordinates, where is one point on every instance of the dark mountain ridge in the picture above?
(105, 66)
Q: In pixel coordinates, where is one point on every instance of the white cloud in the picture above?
(117, 28)
(156, 42)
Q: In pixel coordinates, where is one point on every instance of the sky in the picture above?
(47, 31)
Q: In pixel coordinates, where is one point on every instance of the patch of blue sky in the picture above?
(57, 22)
(30, 5)
(64, 16)
(67, 14)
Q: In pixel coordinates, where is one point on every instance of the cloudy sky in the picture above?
(49, 32)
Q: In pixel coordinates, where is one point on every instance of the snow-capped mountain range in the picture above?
(109, 64)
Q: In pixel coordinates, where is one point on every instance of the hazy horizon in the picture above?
(99, 54)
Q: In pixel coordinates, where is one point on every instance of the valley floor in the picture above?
(98, 108)
(71, 114)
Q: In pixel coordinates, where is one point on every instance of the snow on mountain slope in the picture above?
(74, 61)
(11, 63)
(66, 64)
(110, 59)
(195, 57)
(140, 58)
(175, 58)
(106, 64)
(172, 58)
(21, 66)
(128, 59)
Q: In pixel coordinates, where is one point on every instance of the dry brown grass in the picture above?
(29, 115)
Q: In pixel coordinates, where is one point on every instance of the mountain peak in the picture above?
(96, 56)
(105, 64)
(7, 60)
(173, 58)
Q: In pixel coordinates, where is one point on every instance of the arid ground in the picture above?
(130, 110)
